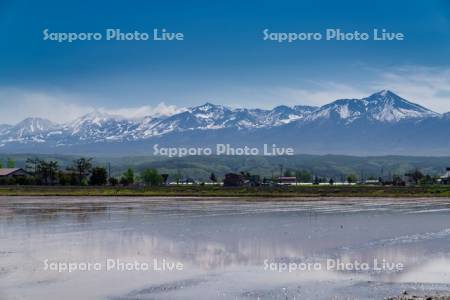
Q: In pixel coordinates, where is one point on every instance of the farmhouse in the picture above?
(12, 172)
(233, 179)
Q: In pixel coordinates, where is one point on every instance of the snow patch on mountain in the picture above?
(98, 126)
(345, 109)
(4, 128)
(384, 106)
(30, 129)
(32, 125)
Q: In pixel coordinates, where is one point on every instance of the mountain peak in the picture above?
(95, 117)
(388, 106)
(33, 124)
(282, 108)
(383, 106)
(207, 105)
(383, 93)
(208, 108)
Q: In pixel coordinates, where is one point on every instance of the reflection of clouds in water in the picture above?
(434, 271)
(413, 238)
(223, 244)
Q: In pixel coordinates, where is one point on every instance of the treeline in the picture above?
(82, 172)
(413, 177)
(10, 163)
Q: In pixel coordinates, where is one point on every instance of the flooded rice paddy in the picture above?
(184, 248)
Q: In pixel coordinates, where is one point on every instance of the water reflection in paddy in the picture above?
(224, 246)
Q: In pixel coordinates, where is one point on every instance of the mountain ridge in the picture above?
(380, 115)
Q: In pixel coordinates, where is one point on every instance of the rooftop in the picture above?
(7, 171)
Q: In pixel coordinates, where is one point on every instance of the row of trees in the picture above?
(81, 172)
(9, 163)
(414, 177)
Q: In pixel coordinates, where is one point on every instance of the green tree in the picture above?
(415, 175)
(63, 179)
(352, 178)
(427, 179)
(10, 163)
(397, 180)
(213, 177)
(82, 167)
(177, 177)
(46, 172)
(99, 176)
(317, 180)
(113, 181)
(31, 165)
(151, 177)
(127, 177)
(303, 176)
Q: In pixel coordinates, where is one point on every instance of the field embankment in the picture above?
(218, 191)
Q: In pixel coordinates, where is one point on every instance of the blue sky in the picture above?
(223, 58)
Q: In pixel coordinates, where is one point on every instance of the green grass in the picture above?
(216, 191)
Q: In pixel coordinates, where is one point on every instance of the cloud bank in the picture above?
(427, 86)
(19, 104)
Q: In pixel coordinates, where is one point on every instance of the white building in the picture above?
(446, 177)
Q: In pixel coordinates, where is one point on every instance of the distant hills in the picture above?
(380, 124)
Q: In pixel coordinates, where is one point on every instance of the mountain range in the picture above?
(382, 123)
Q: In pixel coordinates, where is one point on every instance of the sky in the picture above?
(223, 58)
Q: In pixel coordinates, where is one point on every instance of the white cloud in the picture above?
(313, 93)
(161, 109)
(17, 105)
(427, 86)
(321, 93)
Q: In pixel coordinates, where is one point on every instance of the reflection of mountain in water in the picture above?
(223, 245)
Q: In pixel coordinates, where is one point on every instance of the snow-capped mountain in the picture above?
(28, 130)
(32, 126)
(380, 123)
(304, 109)
(384, 106)
(99, 126)
(284, 114)
(211, 116)
(207, 116)
(4, 128)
